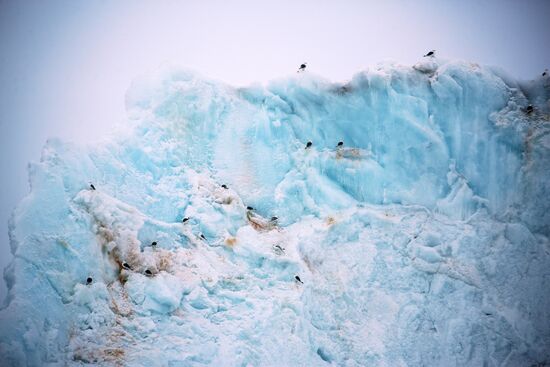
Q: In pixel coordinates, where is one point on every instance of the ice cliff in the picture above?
(423, 241)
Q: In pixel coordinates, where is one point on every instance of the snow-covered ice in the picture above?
(423, 241)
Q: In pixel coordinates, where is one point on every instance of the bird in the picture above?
(545, 72)
(529, 109)
(430, 54)
(274, 218)
(154, 244)
(340, 144)
(225, 186)
(202, 236)
(298, 279)
(148, 272)
(125, 265)
(308, 144)
(302, 67)
(185, 219)
(249, 208)
(89, 280)
(92, 187)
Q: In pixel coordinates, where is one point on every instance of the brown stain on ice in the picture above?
(231, 241)
(349, 153)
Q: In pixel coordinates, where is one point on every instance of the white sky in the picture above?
(66, 64)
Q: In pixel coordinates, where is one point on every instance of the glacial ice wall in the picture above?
(422, 241)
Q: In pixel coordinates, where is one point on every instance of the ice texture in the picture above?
(422, 241)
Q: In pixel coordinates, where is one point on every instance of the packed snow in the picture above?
(421, 241)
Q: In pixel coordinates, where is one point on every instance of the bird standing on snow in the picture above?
(430, 54)
(89, 280)
(545, 72)
(302, 67)
(340, 144)
(298, 279)
(92, 187)
(309, 144)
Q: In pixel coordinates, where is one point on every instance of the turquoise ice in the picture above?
(422, 241)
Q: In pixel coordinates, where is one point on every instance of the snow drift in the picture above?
(422, 241)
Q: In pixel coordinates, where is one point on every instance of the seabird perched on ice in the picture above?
(545, 72)
(298, 279)
(249, 208)
(309, 144)
(92, 187)
(340, 144)
(148, 272)
(430, 54)
(89, 280)
(126, 266)
(529, 109)
(302, 67)
(185, 219)
(225, 186)
(154, 244)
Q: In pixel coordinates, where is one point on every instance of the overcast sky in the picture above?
(66, 64)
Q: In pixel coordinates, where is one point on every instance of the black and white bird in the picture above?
(89, 280)
(225, 186)
(154, 244)
(92, 187)
(545, 72)
(302, 67)
(308, 144)
(148, 272)
(529, 109)
(430, 54)
(340, 144)
(298, 279)
(278, 249)
(126, 266)
(249, 208)
(185, 219)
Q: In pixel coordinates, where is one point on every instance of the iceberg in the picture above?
(422, 240)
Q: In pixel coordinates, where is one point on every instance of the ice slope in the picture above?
(422, 242)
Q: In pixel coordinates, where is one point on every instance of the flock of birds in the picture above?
(529, 110)
(277, 248)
